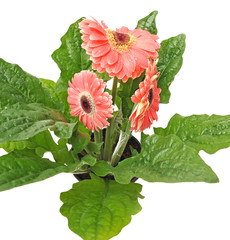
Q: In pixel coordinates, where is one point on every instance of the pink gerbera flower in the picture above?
(122, 53)
(147, 99)
(88, 100)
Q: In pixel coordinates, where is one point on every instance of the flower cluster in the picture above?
(123, 54)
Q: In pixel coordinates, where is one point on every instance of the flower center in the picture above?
(87, 103)
(150, 96)
(120, 41)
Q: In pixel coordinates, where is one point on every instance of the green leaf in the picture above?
(43, 140)
(169, 64)
(162, 159)
(88, 159)
(71, 58)
(79, 141)
(116, 124)
(17, 145)
(94, 148)
(148, 23)
(98, 209)
(17, 86)
(143, 137)
(23, 167)
(51, 85)
(125, 92)
(23, 121)
(202, 132)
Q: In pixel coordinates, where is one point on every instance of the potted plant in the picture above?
(97, 122)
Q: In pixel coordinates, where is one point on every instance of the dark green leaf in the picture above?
(162, 159)
(17, 86)
(79, 141)
(20, 167)
(169, 64)
(148, 23)
(94, 148)
(99, 209)
(202, 132)
(71, 58)
(23, 121)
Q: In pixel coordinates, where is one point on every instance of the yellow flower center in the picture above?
(120, 41)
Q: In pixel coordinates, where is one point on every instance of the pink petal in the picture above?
(101, 51)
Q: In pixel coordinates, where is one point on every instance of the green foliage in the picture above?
(43, 140)
(143, 137)
(202, 132)
(17, 86)
(79, 141)
(23, 121)
(148, 23)
(169, 64)
(23, 167)
(162, 159)
(71, 58)
(99, 209)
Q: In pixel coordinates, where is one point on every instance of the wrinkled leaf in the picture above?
(148, 23)
(71, 58)
(23, 167)
(98, 208)
(23, 121)
(202, 132)
(162, 159)
(18, 86)
(169, 64)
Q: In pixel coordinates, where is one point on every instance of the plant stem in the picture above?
(98, 139)
(122, 142)
(108, 147)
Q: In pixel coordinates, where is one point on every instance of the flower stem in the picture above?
(122, 142)
(114, 89)
(108, 147)
(98, 139)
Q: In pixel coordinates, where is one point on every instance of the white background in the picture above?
(31, 30)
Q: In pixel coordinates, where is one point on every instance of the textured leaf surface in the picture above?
(23, 121)
(43, 140)
(169, 64)
(98, 209)
(20, 167)
(202, 132)
(148, 23)
(71, 58)
(162, 159)
(17, 86)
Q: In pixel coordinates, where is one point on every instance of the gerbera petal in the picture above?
(122, 53)
(101, 51)
(147, 103)
(84, 104)
(112, 57)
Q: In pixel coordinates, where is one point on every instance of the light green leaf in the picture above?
(88, 159)
(148, 23)
(202, 132)
(23, 121)
(71, 58)
(143, 137)
(162, 159)
(17, 86)
(98, 209)
(17, 145)
(169, 64)
(23, 167)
